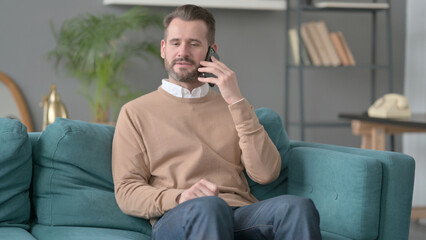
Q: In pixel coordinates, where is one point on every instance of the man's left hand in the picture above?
(226, 79)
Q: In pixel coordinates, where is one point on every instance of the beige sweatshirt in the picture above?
(164, 144)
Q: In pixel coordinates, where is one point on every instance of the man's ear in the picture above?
(214, 46)
(163, 45)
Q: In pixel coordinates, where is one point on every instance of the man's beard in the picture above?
(184, 75)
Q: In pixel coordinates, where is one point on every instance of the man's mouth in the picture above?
(183, 62)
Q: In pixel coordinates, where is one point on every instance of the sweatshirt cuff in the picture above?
(169, 198)
(237, 101)
(242, 112)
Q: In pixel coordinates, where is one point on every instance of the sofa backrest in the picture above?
(15, 174)
(73, 183)
(273, 125)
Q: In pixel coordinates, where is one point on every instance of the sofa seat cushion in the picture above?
(273, 125)
(73, 183)
(332, 236)
(15, 233)
(15, 174)
(42, 232)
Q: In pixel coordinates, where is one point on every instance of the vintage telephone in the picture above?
(391, 105)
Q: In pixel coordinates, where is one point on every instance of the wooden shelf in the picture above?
(351, 5)
(368, 67)
(298, 8)
(277, 5)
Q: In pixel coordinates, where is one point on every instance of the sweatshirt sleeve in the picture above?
(259, 156)
(130, 170)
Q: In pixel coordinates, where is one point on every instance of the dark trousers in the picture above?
(209, 218)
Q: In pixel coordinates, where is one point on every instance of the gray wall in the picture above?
(250, 42)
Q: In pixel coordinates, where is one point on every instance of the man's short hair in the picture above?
(192, 12)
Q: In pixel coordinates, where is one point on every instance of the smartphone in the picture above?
(210, 53)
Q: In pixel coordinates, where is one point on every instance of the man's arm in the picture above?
(260, 157)
(130, 169)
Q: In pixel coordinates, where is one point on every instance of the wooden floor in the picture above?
(418, 230)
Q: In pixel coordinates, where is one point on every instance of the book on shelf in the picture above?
(338, 46)
(321, 47)
(347, 49)
(309, 44)
(323, 34)
(318, 43)
(359, 5)
(294, 44)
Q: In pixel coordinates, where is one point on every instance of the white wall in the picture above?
(415, 91)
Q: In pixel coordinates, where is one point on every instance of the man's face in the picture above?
(183, 49)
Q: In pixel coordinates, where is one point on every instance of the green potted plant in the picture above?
(94, 49)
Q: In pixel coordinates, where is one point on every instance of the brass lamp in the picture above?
(52, 107)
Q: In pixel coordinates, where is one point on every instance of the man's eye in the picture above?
(195, 44)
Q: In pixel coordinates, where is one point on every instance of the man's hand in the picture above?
(202, 188)
(226, 79)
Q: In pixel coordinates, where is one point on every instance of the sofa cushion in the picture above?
(345, 188)
(332, 236)
(15, 174)
(73, 183)
(273, 125)
(42, 232)
(396, 190)
(15, 233)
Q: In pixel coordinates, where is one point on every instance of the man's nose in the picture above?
(183, 50)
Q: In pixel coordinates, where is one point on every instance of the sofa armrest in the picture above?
(396, 190)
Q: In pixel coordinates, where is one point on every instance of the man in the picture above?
(179, 152)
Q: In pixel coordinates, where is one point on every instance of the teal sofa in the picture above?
(58, 185)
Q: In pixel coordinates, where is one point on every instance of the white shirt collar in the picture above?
(181, 92)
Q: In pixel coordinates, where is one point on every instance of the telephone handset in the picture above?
(391, 105)
(211, 52)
